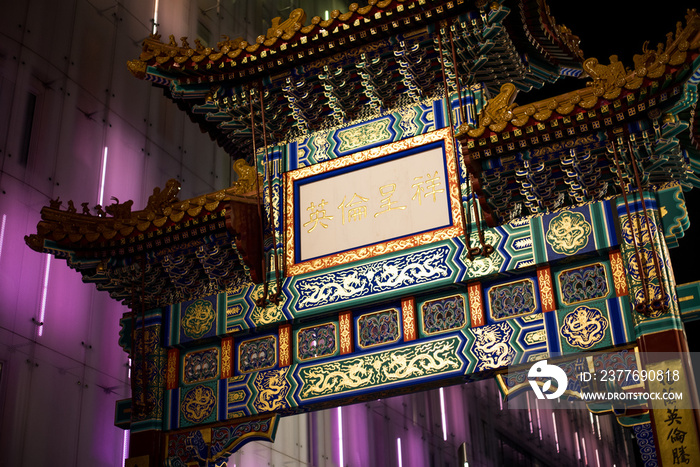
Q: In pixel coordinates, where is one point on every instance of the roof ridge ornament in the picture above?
(608, 80)
(288, 27)
(497, 112)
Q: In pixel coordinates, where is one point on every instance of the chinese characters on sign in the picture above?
(375, 203)
(675, 426)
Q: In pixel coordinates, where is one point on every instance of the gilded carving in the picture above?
(272, 387)
(285, 350)
(247, 181)
(584, 327)
(546, 292)
(226, 357)
(268, 314)
(618, 273)
(568, 233)
(198, 404)
(492, 346)
(409, 322)
(363, 135)
(198, 319)
(288, 27)
(475, 307)
(536, 337)
(379, 369)
(345, 334)
(498, 112)
(608, 80)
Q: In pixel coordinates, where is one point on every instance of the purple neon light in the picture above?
(442, 411)
(44, 290)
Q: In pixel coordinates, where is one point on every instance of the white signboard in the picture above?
(372, 202)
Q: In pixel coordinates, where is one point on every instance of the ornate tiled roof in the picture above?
(543, 155)
(366, 61)
(172, 249)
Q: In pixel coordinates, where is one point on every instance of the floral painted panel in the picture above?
(443, 315)
(512, 299)
(583, 284)
(317, 341)
(201, 366)
(378, 328)
(257, 354)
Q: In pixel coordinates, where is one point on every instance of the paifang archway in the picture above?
(383, 237)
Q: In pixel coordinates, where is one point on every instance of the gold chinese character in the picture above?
(317, 214)
(427, 188)
(386, 204)
(432, 184)
(356, 209)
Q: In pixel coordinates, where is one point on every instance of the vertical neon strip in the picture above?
(155, 17)
(529, 412)
(340, 437)
(578, 448)
(44, 289)
(125, 449)
(583, 446)
(103, 173)
(539, 422)
(2, 233)
(556, 432)
(597, 458)
(592, 422)
(398, 450)
(442, 411)
(597, 422)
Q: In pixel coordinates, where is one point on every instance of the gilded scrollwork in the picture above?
(584, 327)
(363, 135)
(568, 233)
(498, 112)
(198, 319)
(544, 280)
(198, 404)
(492, 346)
(345, 333)
(485, 265)
(379, 369)
(608, 80)
(271, 312)
(272, 387)
(618, 273)
(476, 309)
(409, 321)
(374, 277)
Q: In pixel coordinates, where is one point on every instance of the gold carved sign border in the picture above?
(383, 247)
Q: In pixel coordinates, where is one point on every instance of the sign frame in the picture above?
(357, 161)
